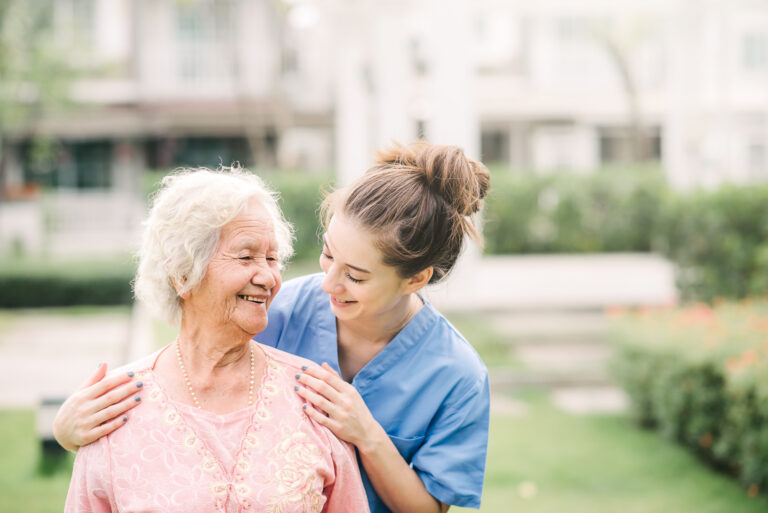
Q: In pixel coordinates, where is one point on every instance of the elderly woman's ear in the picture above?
(178, 284)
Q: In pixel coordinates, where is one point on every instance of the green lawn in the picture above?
(21, 488)
(598, 464)
(562, 463)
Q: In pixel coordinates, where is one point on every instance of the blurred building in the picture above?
(552, 85)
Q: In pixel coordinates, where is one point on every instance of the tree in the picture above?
(619, 39)
(34, 71)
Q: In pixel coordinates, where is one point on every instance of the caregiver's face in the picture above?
(243, 276)
(360, 285)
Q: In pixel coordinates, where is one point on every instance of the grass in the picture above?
(21, 487)
(548, 461)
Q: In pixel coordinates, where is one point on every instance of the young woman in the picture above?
(397, 380)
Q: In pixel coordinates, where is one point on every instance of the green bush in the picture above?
(608, 211)
(300, 198)
(698, 375)
(719, 239)
(43, 283)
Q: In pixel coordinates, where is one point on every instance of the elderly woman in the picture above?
(220, 425)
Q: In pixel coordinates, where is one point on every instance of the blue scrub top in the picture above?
(427, 388)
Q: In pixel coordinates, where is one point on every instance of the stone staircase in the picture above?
(564, 352)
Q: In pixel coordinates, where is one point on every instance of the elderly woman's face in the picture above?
(243, 276)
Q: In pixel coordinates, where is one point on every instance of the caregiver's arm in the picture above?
(96, 409)
(348, 417)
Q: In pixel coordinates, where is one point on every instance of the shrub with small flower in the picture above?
(699, 375)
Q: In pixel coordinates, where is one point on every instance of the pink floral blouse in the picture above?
(269, 458)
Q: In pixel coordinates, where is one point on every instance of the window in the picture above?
(755, 51)
(82, 165)
(757, 160)
(494, 146)
(203, 32)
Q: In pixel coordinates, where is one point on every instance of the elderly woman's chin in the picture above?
(249, 317)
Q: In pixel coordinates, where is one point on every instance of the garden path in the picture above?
(48, 356)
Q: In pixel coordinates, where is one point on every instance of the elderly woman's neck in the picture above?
(212, 348)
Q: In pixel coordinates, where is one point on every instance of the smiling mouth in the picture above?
(342, 301)
(253, 299)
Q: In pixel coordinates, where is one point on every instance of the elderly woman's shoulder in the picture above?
(138, 366)
(293, 362)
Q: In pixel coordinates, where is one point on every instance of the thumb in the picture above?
(97, 376)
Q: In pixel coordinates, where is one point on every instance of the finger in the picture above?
(97, 376)
(107, 384)
(316, 400)
(104, 429)
(116, 410)
(317, 415)
(114, 396)
(331, 378)
(330, 369)
(319, 386)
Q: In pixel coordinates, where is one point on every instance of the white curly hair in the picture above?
(182, 231)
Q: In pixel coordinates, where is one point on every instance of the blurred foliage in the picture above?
(699, 376)
(32, 283)
(717, 238)
(610, 210)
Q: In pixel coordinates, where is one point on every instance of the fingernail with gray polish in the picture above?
(139, 384)
(304, 367)
(125, 419)
(137, 398)
(296, 388)
(130, 374)
(298, 376)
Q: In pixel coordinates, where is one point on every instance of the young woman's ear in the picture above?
(418, 280)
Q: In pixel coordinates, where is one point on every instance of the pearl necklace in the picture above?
(189, 384)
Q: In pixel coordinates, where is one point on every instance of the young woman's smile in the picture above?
(359, 284)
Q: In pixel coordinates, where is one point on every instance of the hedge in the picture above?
(608, 211)
(718, 238)
(699, 376)
(41, 283)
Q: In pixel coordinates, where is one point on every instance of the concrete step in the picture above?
(563, 357)
(589, 400)
(514, 378)
(549, 324)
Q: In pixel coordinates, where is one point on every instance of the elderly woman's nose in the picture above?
(264, 276)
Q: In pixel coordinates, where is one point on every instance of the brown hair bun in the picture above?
(462, 182)
(419, 200)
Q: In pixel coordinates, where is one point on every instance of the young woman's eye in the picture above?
(326, 255)
(353, 280)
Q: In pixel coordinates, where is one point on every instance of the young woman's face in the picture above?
(360, 285)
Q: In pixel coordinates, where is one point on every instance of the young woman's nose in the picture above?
(332, 280)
